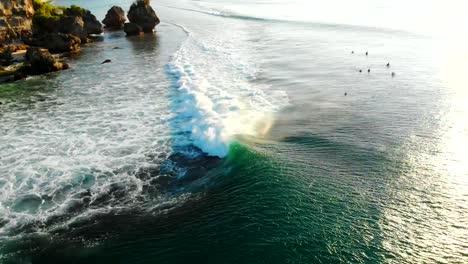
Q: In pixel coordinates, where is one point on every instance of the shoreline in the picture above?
(55, 32)
(101, 163)
(78, 95)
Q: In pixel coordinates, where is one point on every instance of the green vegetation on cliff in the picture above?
(46, 13)
(46, 9)
(75, 10)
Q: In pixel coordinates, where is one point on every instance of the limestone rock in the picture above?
(57, 42)
(73, 20)
(73, 25)
(41, 61)
(132, 29)
(15, 19)
(91, 24)
(11, 52)
(115, 18)
(142, 14)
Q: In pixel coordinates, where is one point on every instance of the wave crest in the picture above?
(215, 98)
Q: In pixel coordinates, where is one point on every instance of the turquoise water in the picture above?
(227, 138)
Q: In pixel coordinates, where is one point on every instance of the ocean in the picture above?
(246, 132)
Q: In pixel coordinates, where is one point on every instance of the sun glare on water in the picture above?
(433, 17)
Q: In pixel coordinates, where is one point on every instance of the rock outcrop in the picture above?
(142, 14)
(73, 25)
(12, 73)
(11, 52)
(6, 56)
(41, 61)
(115, 18)
(46, 28)
(15, 19)
(57, 42)
(132, 29)
(74, 21)
(26, 19)
(91, 24)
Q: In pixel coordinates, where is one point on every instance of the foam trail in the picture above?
(72, 145)
(215, 99)
(206, 127)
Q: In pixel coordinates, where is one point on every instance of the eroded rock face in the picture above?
(8, 52)
(73, 25)
(41, 61)
(73, 21)
(57, 42)
(91, 24)
(115, 18)
(16, 7)
(132, 29)
(142, 14)
(13, 47)
(6, 55)
(15, 19)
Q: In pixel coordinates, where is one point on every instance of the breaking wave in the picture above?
(215, 98)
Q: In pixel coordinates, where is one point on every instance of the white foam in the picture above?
(87, 134)
(91, 133)
(215, 99)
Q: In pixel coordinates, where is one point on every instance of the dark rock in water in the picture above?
(57, 42)
(92, 25)
(115, 18)
(19, 76)
(65, 66)
(106, 61)
(6, 55)
(13, 47)
(142, 14)
(12, 73)
(74, 25)
(132, 29)
(15, 19)
(41, 61)
(95, 38)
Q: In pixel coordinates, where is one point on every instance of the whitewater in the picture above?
(245, 132)
(78, 147)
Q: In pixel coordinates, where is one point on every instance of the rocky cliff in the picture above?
(15, 19)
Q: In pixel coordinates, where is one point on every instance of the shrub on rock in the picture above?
(49, 18)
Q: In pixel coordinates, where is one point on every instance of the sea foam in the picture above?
(215, 98)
